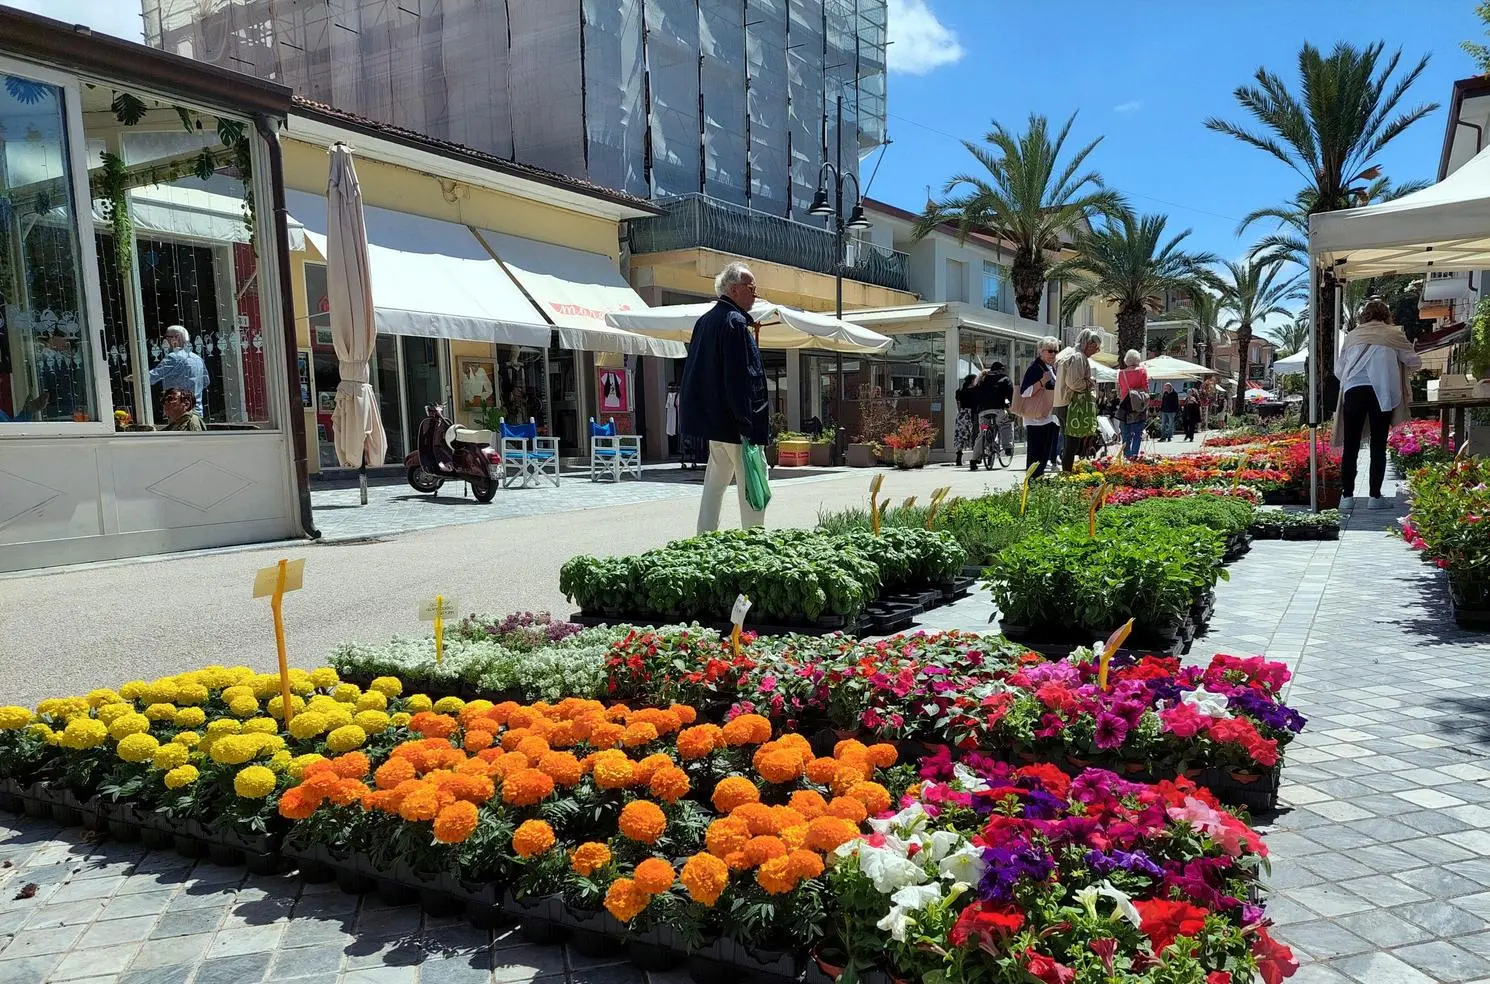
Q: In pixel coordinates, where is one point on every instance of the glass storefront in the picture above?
(912, 372)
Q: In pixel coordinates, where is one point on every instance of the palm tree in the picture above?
(1251, 292)
(1291, 240)
(1291, 336)
(1330, 134)
(1028, 196)
(1128, 262)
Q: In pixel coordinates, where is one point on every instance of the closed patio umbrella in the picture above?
(358, 430)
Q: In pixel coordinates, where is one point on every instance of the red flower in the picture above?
(1163, 921)
(1275, 961)
(1218, 977)
(985, 924)
(1046, 969)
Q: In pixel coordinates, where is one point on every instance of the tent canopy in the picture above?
(1443, 228)
(1292, 365)
(1168, 367)
(781, 327)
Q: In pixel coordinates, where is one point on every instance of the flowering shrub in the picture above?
(1123, 495)
(520, 631)
(994, 874)
(913, 432)
(1415, 444)
(1448, 525)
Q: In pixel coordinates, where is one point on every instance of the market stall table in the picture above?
(1455, 406)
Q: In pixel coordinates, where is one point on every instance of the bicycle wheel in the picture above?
(1003, 457)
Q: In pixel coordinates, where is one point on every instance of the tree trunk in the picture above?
(1029, 286)
(1243, 351)
(1131, 325)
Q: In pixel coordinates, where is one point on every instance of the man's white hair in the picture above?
(1088, 336)
(180, 334)
(1050, 344)
(729, 276)
(1132, 358)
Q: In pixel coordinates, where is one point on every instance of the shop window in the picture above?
(956, 280)
(996, 293)
(47, 355)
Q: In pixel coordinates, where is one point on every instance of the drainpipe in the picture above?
(296, 428)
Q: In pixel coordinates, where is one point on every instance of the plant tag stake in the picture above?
(737, 616)
(1028, 474)
(1114, 642)
(435, 610)
(1241, 467)
(874, 509)
(273, 582)
(1099, 496)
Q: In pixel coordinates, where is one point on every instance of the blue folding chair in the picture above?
(613, 455)
(526, 457)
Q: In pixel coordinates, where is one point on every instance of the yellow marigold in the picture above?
(371, 701)
(308, 724)
(776, 876)
(83, 733)
(243, 706)
(876, 798)
(269, 743)
(642, 820)
(182, 775)
(526, 787)
(109, 713)
(161, 691)
(373, 722)
(129, 724)
(264, 685)
(732, 791)
(261, 726)
(161, 712)
(299, 763)
(827, 833)
(456, 822)
(190, 717)
(346, 693)
(726, 836)
(531, 838)
(324, 677)
(670, 784)
(234, 749)
(275, 707)
(388, 686)
(223, 726)
(624, 900)
(401, 719)
(13, 718)
(779, 765)
(189, 739)
(705, 877)
(280, 760)
(192, 694)
(417, 702)
(449, 705)
(46, 734)
(589, 858)
(254, 782)
(101, 696)
(132, 689)
(747, 729)
(614, 772)
(345, 738)
(137, 748)
(654, 876)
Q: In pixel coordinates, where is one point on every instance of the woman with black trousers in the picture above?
(1191, 414)
(1372, 368)
(1034, 402)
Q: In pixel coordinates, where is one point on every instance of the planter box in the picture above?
(911, 457)
(1471, 611)
(820, 455)
(594, 934)
(1258, 793)
(541, 920)
(860, 456)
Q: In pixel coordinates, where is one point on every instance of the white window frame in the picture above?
(77, 151)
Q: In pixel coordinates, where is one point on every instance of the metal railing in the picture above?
(699, 221)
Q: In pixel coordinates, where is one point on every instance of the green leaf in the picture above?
(128, 108)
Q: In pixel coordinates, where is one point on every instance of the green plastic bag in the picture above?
(757, 488)
(1081, 416)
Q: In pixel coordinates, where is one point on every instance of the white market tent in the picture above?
(1293, 365)
(1168, 367)
(781, 327)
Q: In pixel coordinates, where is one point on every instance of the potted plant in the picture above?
(878, 419)
(1476, 352)
(820, 451)
(910, 444)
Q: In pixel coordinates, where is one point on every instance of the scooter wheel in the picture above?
(423, 481)
(484, 489)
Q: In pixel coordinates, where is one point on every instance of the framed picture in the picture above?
(476, 382)
(324, 335)
(302, 365)
(612, 391)
(327, 401)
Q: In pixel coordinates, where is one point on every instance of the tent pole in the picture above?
(1312, 404)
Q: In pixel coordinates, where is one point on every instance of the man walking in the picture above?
(992, 395)
(723, 399)
(181, 368)
(1169, 406)
(1073, 375)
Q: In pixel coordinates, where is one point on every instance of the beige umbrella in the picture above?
(357, 428)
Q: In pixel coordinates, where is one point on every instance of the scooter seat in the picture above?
(468, 435)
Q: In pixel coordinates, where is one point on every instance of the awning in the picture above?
(1293, 365)
(1168, 367)
(780, 327)
(432, 279)
(894, 315)
(191, 213)
(577, 290)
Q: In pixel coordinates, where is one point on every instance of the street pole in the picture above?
(838, 253)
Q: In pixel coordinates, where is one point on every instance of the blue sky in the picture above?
(1146, 74)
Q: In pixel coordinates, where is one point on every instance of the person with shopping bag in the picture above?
(723, 401)
(1075, 394)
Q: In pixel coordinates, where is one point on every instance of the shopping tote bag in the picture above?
(757, 488)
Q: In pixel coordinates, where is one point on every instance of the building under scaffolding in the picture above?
(732, 99)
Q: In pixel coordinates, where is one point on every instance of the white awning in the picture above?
(577, 290)
(894, 315)
(191, 213)
(781, 327)
(1294, 364)
(432, 279)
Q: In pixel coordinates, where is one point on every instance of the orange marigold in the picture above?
(624, 900)
(648, 766)
(826, 833)
(639, 733)
(614, 771)
(298, 804)
(348, 791)
(518, 717)
(654, 876)
(882, 755)
(846, 778)
(456, 822)
(794, 837)
(419, 804)
(526, 787)
(876, 798)
(821, 770)
(849, 746)
(759, 850)
(563, 735)
(643, 820)
(805, 864)
(747, 729)
(776, 876)
(686, 715)
(778, 765)
(732, 791)
(758, 816)
(589, 858)
(562, 767)
(705, 877)
(510, 763)
(848, 808)
(809, 803)
(726, 836)
(352, 765)
(606, 734)
(533, 747)
(532, 837)
(433, 725)
(670, 784)
(478, 741)
(617, 712)
(700, 740)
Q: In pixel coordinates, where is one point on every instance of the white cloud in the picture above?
(919, 43)
(1131, 106)
(121, 18)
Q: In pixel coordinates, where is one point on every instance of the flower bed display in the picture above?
(1415, 444)
(793, 578)
(995, 874)
(1449, 523)
(1276, 524)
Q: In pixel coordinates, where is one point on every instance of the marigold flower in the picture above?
(643, 820)
(759, 850)
(234, 749)
(794, 837)
(373, 722)
(624, 900)
(433, 725)
(531, 838)
(275, 707)
(346, 738)
(388, 686)
(129, 724)
(562, 767)
(371, 701)
(654, 876)
(849, 747)
(393, 772)
(449, 705)
(189, 717)
(776, 876)
(821, 770)
(353, 765)
(526, 787)
(882, 755)
(846, 778)
(478, 741)
(670, 784)
(348, 791)
(876, 798)
(778, 765)
(245, 706)
(182, 775)
(699, 741)
(534, 747)
(188, 738)
(137, 748)
(726, 836)
(456, 822)
(401, 719)
(805, 864)
(809, 803)
(260, 726)
(732, 791)
(254, 782)
(589, 858)
(686, 715)
(170, 755)
(638, 734)
(161, 712)
(747, 729)
(848, 808)
(705, 877)
(757, 816)
(420, 803)
(614, 772)
(298, 804)
(324, 678)
(827, 833)
(417, 702)
(606, 734)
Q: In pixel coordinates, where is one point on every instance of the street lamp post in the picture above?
(856, 220)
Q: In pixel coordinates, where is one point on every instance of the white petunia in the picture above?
(964, 865)
(889, 871)
(1125, 907)
(1207, 703)
(941, 843)
(967, 779)
(896, 922)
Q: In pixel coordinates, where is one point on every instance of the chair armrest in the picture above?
(550, 444)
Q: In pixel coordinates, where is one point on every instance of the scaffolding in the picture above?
(732, 99)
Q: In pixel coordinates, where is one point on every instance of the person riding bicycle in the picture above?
(992, 395)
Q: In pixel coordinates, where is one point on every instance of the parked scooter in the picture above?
(447, 451)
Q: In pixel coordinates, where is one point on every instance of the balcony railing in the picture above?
(698, 221)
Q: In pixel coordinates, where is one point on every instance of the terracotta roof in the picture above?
(447, 148)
